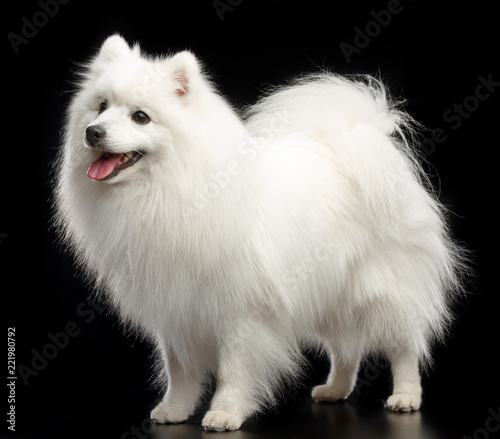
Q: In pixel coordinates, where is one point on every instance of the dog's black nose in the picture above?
(94, 134)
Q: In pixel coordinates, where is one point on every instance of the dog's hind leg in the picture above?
(407, 392)
(341, 379)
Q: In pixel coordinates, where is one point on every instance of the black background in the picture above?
(431, 54)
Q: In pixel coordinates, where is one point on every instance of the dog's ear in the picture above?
(185, 72)
(115, 47)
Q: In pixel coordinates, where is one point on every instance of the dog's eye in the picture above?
(140, 117)
(102, 106)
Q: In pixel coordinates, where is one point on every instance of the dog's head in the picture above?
(131, 108)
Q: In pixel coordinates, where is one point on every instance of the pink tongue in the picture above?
(103, 166)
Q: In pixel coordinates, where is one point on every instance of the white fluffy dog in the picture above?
(236, 241)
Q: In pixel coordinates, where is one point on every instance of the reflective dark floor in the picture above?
(310, 421)
(126, 416)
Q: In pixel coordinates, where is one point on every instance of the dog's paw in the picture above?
(165, 413)
(404, 402)
(326, 393)
(217, 420)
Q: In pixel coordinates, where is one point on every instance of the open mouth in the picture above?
(109, 165)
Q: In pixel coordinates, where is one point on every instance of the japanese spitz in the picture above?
(234, 241)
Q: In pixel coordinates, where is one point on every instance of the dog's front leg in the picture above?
(183, 391)
(244, 361)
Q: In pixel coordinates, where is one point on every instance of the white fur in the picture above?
(235, 241)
